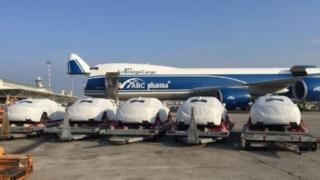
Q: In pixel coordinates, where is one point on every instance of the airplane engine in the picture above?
(234, 98)
(307, 89)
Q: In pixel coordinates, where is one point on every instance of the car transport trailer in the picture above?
(116, 132)
(12, 130)
(276, 121)
(293, 140)
(120, 133)
(195, 134)
(69, 131)
(85, 118)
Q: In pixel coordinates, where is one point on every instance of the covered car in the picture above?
(139, 110)
(206, 110)
(274, 110)
(96, 109)
(35, 110)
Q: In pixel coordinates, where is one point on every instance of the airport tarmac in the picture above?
(166, 159)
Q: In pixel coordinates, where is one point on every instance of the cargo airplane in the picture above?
(236, 87)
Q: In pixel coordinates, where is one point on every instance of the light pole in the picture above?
(49, 75)
(72, 84)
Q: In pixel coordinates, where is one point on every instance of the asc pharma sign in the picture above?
(137, 83)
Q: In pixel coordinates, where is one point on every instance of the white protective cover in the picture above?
(32, 109)
(275, 110)
(92, 108)
(137, 110)
(206, 110)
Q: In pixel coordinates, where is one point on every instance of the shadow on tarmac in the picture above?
(230, 144)
(37, 141)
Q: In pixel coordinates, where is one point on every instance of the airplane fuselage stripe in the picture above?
(148, 83)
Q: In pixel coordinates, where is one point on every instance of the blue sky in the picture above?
(213, 33)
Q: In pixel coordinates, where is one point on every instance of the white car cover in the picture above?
(275, 110)
(86, 109)
(137, 110)
(33, 109)
(206, 110)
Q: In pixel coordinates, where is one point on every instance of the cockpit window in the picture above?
(28, 102)
(137, 101)
(198, 100)
(274, 99)
(86, 101)
(94, 68)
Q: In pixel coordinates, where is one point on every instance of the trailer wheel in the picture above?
(245, 144)
(44, 117)
(156, 137)
(176, 139)
(223, 140)
(40, 133)
(244, 109)
(104, 116)
(57, 136)
(29, 135)
(314, 147)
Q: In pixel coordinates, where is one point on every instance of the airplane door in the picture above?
(112, 85)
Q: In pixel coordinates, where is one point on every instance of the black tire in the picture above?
(40, 133)
(44, 117)
(158, 121)
(223, 140)
(29, 135)
(314, 147)
(104, 116)
(56, 136)
(176, 139)
(246, 145)
(156, 137)
(305, 147)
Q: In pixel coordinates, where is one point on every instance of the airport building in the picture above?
(12, 91)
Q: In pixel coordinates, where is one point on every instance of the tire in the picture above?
(104, 116)
(56, 136)
(156, 137)
(44, 117)
(314, 147)
(223, 140)
(29, 135)
(176, 139)
(244, 109)
(40, 133)
(158, 120)
(246, 145)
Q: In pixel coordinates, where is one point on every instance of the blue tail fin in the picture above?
(77, 66)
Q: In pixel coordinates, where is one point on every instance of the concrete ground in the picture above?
(166, 159)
